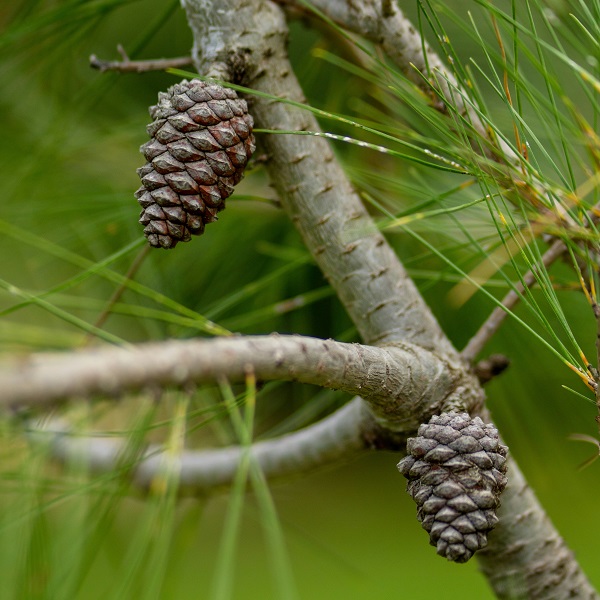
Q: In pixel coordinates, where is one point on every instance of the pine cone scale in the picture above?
(203, 140)
(168, 134)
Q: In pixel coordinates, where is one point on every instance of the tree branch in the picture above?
(382, 22)
(497, 316)
(339, 437)
(125, 65)
(403, 382)
(385, 24)
(245, 40)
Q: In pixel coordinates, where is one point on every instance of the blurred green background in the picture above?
(69, 151)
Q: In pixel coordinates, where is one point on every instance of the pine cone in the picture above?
(456, 472)
(201, 142)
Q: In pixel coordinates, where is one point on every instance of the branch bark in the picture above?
(526, 558)
(402, 383)
(340, 437)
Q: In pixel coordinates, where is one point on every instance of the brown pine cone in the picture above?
(456, 472)
(201, 142)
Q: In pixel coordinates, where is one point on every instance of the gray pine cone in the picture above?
(201, 142)
(456, 472)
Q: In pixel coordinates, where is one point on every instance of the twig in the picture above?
(497, 316)
(400, 381)
(338, 437)
(138, 66)
(490, 367)
(135, 265)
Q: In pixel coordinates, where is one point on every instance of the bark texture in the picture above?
(337, 438)
(401, 382)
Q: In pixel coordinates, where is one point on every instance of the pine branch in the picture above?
(497, 316)
(125, 65)
(341, 436)
(245, 41)
(384, 23)
(398, 381)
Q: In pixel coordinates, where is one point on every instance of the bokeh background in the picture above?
(68, 154)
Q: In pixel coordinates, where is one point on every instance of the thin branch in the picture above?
(490, 367)
(383, 23)
(339, 437)
(138, 66)
(133, 269)
(399, 381)
(595, 371)
(497, 316)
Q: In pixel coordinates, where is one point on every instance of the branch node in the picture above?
(491, 367)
